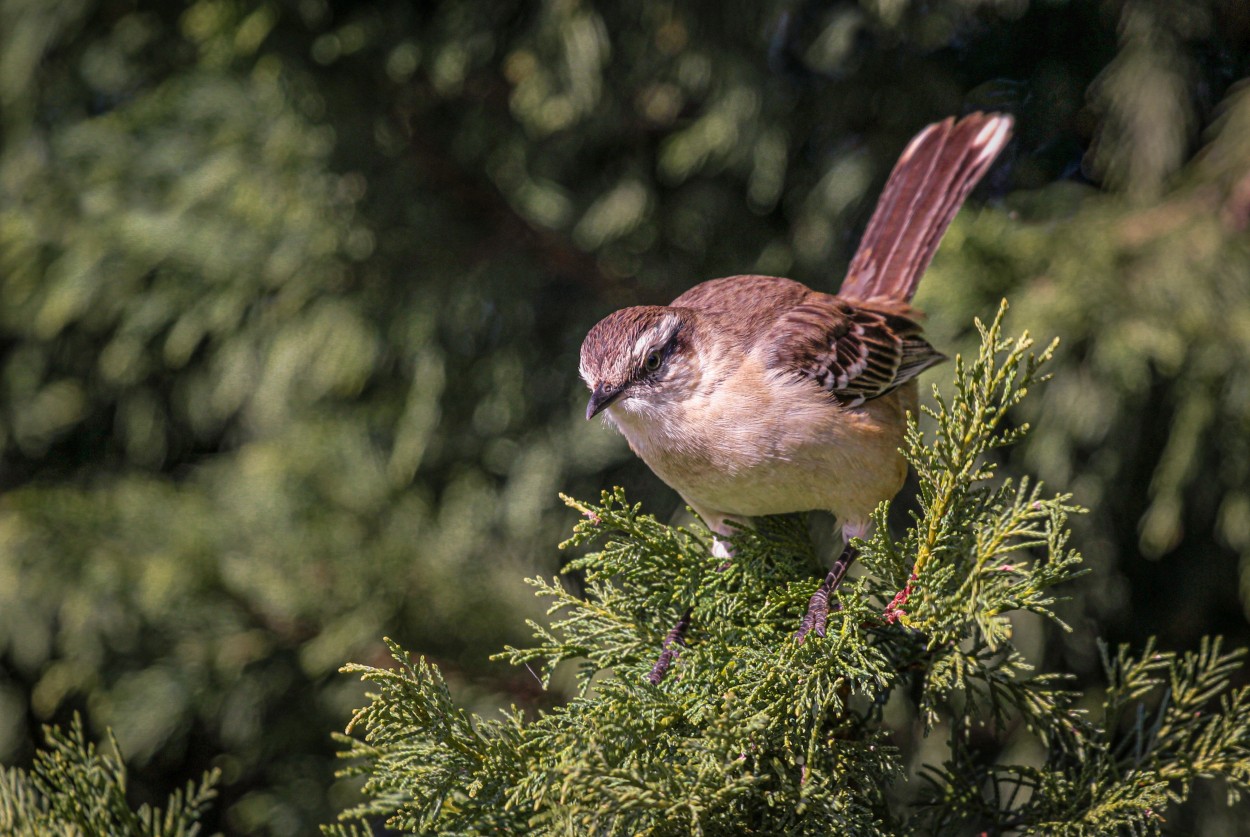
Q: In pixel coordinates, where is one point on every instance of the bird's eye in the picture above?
(652, 362)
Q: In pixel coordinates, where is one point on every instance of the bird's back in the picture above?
(744, 307)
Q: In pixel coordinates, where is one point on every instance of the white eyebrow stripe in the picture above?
(657, 335)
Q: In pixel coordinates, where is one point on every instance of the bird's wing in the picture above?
(855, 352)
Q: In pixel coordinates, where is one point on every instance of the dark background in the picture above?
(291, 296)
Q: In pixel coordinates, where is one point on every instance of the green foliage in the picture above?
(291, 295)
(755, 733)
(1165, 720)
(73, 788)
(1146, 419)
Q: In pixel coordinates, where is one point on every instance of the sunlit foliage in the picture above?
(291, 294)
(754, 733)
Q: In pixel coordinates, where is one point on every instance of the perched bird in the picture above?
(755, 395)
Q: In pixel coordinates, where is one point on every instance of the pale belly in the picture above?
(815, 478)
(800, 459)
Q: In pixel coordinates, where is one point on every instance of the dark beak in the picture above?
(601, 398)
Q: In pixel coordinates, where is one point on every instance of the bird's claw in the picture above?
(818, 606)
(817, 617)
(669, 649)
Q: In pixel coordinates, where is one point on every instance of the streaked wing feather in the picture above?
(853, 352)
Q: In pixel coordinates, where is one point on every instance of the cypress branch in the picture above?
(752, 732)
(74, 788)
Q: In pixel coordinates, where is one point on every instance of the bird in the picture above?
(756, 395)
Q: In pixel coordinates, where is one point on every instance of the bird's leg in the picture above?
(669, 649)
(676, 638)
(818, 605)
(723, 527)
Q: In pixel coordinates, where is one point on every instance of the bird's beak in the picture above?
(601, 398)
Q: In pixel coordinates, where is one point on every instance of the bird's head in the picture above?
(637, 358)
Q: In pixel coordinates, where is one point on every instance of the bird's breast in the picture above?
(758, 444)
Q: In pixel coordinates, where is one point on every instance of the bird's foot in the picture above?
(669, 649)
(818, 605)
(817, 613)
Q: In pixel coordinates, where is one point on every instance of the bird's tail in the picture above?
(929, 184)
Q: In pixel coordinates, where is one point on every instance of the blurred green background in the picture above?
(291, 296)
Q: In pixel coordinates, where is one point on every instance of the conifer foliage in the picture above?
(752, 732)
(74, 788)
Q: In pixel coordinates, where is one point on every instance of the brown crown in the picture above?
(611, 351)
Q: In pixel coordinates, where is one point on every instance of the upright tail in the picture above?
(929, 184)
